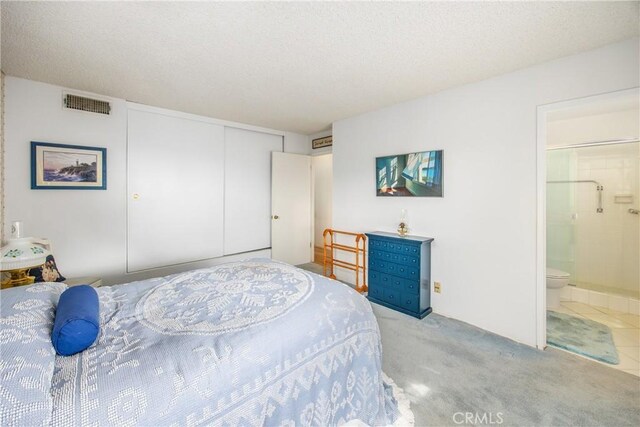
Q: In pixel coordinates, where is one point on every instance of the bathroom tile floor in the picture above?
(624, 326)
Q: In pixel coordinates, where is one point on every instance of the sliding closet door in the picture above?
(175, 190)
(247, 192)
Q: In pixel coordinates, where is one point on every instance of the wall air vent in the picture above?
(81, 103)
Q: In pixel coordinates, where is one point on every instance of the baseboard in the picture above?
(619, 303)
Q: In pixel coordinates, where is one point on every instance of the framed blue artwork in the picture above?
(410, 175)
(67, 167)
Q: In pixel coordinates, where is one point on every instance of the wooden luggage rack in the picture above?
(330, 261)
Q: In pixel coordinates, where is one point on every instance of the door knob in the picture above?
(136, 196)
(634, 211)
(275, 217)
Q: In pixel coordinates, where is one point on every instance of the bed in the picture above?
(246, 343)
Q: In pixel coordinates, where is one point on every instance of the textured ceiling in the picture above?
(293, 66)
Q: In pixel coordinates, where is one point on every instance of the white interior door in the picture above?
(247, 189)
(175, 190)
(291, 208)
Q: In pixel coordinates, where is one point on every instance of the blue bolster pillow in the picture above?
(77, 321)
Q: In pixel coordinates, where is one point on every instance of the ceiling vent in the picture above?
(81, 103)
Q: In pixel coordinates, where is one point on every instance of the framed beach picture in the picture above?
(67, 167)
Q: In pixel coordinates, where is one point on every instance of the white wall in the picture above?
(484, 251)
(87, 228)
(296, 143)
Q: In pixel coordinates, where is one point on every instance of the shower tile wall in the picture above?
(607, 249)
(601, 249)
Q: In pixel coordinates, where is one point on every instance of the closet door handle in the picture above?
(275, 217)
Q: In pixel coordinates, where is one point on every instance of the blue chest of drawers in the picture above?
(400, 272)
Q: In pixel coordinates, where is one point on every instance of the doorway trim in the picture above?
(541, 220)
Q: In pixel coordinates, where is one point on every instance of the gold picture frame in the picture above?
(325, 141)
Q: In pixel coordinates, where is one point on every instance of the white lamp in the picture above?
(19, 255)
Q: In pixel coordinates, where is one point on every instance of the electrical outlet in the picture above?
(437, 287)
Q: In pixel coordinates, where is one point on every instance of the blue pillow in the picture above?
(77, 321)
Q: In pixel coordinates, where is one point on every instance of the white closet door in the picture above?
(175, 190)
(247, 192)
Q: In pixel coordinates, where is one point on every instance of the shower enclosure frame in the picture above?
(543, 112)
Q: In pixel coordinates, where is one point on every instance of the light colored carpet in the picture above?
(447, 367)
(582, 336)
(313, 267)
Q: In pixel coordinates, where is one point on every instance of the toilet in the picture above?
(556, 280)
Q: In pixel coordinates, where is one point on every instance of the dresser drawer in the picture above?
(388, 267)
(388, 246)
(377, 264)
(384, 294)
(412, 287)
(412, 273)
(392, 296)
(410, 250)
(383, 280)
(378, 255)
(410, 260)
(409, 302)
(396, 298)
(396, 257)
(387, 281)
(377, 244)
(403, 248)
(375, 290)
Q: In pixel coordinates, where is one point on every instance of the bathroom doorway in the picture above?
(588, 280)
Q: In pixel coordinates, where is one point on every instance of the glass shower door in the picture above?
(561, 211)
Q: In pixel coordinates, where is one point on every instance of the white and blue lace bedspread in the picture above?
(240, 344)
